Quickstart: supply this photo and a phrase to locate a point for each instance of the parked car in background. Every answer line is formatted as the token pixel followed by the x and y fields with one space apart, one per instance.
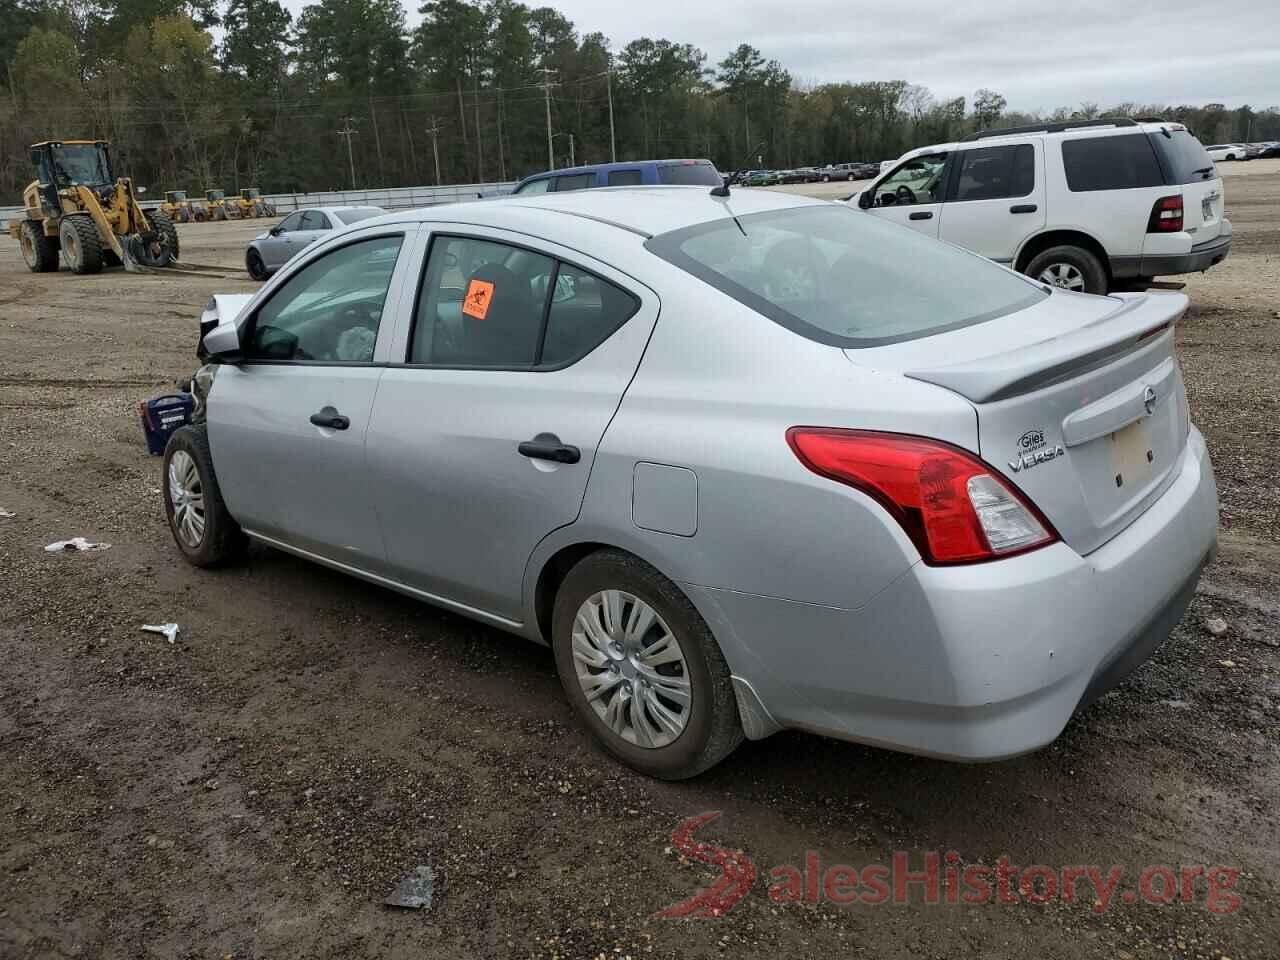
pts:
pixel 759 178
pixel 940 521
pixel 629 174
pixel 808 174
pixel 865 171
pixel 268 252
pixel 1270 151
pixel 839 171
pixel 789 176
pixel 1087 206
pixel 1227 151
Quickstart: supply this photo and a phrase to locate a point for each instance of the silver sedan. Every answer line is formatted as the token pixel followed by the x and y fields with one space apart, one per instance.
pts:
pixel 744 462
pixel 268 252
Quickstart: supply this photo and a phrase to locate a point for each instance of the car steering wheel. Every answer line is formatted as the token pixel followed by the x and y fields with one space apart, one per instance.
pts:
pixel 905 194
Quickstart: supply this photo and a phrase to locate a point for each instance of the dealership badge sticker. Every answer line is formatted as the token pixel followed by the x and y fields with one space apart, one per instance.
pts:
pixel 737 872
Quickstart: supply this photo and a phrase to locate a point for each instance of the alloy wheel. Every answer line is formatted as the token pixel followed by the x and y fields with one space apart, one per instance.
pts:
pixel 187 496
pixel 631 668
pixel 1063 275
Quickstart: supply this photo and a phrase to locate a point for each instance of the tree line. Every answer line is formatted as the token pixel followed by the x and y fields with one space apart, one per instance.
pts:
pixel 232 93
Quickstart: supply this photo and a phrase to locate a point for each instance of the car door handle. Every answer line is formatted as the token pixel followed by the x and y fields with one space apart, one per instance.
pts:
pixel 547 446
pixel 331 418
pixel 1023 208
pixel 921 215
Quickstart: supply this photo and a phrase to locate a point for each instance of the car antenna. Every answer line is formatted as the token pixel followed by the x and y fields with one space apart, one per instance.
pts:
pixel 722 193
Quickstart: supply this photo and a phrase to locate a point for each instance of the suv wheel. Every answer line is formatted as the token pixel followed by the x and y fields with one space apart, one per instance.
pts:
pixel 201 525
pixel 642 669
pixel 1069 268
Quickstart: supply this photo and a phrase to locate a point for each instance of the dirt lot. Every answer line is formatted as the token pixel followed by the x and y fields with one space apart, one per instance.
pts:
pixel 255 789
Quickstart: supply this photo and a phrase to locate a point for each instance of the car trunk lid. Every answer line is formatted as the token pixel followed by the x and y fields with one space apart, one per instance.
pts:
pixel 1079 402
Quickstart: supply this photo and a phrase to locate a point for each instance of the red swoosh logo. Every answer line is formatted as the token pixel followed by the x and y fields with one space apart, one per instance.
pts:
pixel 737 872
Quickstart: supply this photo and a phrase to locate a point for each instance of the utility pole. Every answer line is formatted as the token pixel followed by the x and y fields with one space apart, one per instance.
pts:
pixel 349 131
pixel 613 144
pixel 479 135
pixel 433 132
pixel 546 90
pixel 571 160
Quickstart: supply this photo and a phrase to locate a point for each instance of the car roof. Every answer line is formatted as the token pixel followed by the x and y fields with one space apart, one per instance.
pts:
pixel 647 211
pixel 619 165
pixel 1092 129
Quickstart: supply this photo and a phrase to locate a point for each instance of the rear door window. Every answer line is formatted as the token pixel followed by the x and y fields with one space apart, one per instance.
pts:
pixel 698 174
pixel 575 181
pixel 625 178
pixel 534 186
pixel 992 173
pixel 1117 162
pixel 585 311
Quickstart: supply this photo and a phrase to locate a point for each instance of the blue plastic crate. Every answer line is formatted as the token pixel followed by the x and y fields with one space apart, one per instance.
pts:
pixel 161 416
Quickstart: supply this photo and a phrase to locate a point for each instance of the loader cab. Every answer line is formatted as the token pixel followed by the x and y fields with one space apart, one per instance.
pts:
pixel 73 163
pixel 213 196
pixel 175 196
pixel 250 193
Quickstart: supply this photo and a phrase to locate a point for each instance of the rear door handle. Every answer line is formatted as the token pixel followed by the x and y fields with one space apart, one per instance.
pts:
pixel 547 446
pixel 1023 208
pixel 331 418
pixel 921 215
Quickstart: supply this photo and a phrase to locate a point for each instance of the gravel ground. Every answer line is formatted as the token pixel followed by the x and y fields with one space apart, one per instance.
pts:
pixel 255 789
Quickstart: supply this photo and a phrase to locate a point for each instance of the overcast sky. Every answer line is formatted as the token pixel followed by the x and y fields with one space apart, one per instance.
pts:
pixel 1040 54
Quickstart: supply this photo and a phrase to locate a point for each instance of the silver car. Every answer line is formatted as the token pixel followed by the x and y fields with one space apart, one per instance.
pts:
pixel 745 463
pixel 268 252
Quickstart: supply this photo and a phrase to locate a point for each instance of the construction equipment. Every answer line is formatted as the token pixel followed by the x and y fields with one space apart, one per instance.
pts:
pixel 251 204
pixel 78 207
pixel 176 206
pixel 221 207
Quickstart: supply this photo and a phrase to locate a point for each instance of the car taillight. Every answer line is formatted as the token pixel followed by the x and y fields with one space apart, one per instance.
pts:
pixel 1166 216
pixel 954 507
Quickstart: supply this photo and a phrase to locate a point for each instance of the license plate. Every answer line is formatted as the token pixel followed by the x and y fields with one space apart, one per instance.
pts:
pixel 1206 208
pixel 1132 454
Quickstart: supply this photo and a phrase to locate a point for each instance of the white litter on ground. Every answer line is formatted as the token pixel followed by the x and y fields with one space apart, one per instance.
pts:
pixel 170 630
pixel 75 543
pixel 6 514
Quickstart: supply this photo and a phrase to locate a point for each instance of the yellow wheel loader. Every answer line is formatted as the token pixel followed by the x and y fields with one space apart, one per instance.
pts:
pixel 76 206
pixel 252 204
pixel 176 206
pixel 222 207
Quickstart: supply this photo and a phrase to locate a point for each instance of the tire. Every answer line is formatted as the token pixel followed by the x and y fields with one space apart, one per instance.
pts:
pixel 199 216
pixel 826 178
pixel 850 178
pixel 254 265
pixel 109 259
pixel 167 232
pixel 708 724
pixel 181 216
pixel 202 527
pixel 81 245
pixel 40 252
pixel 218 214
pixel 1069 268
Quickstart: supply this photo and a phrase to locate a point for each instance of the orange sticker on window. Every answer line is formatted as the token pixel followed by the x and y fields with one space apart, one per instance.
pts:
pixel 479 296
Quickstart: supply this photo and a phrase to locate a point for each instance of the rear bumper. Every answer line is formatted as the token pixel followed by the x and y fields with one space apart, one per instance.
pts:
pixel 980 662
pixel 1201 257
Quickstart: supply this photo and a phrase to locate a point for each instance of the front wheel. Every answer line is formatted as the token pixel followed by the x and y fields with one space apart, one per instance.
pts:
pixel 254 264
pixel 202 527
pixel 1069 268
pixel 642 669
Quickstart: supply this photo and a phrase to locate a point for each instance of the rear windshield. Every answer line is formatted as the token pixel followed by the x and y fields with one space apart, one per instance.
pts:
pixel 1183 158
pixel 689 174
pixel 360 213
pixel 841 277
pixel 1110 163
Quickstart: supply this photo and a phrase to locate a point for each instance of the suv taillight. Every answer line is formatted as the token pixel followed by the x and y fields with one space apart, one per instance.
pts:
pixel 954 507
pixel 1166 215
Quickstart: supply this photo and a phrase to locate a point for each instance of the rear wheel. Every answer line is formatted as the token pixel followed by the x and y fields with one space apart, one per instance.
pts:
pixel 181 215
pixel 81 245
pixel 218 213
pixel 40 252
pixel 202 527
pixel 198 215
pixel 1069 268
pixel 642 669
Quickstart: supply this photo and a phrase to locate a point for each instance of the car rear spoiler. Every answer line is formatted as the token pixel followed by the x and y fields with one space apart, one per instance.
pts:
pixel 1036 366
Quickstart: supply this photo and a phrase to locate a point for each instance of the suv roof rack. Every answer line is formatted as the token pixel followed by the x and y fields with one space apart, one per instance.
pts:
pixel 1051 127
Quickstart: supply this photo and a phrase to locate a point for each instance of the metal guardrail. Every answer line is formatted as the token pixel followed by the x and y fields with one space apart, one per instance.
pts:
pixel 390 198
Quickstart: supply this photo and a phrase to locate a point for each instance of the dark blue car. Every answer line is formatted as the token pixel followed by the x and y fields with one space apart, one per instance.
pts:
pixel 634 173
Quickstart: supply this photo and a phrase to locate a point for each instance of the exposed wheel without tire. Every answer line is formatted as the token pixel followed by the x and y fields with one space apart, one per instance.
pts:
pixel 254 264
pixel 641 668
pixel 40 252
pixel 201 525
pixel 1068 268
pixel 81 245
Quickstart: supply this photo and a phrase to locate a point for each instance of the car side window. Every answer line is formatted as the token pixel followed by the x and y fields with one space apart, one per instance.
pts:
pixel 292 222
pixel 624 178
pixel 575 181
pixel 330 309
pixel 993 173
pixel 585 311
pixel 314 220
pixel 535 186
pixel 1110 163
pixel 919 180
pixel 481 304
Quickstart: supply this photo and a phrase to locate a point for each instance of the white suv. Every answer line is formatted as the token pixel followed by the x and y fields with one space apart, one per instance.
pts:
pixel 1086 206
